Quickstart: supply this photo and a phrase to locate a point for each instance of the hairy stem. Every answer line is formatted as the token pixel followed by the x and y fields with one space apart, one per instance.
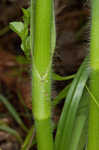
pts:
pixel 93 136
pixel 41 20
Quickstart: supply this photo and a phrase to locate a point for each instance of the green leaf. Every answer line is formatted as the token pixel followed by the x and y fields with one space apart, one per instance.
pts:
pixel 21 28
pixel 60 78
pixel 80 129
pixel 26 12
pixel 68 116
pixel 77 131
pixel 25 46
pixel 84 137
pixel 17 27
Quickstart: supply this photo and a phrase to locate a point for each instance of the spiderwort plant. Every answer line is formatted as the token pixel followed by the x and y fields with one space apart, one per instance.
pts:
pixel 41 41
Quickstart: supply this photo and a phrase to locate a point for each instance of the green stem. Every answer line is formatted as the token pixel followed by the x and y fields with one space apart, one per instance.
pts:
pixel 41 20
pixel 93 137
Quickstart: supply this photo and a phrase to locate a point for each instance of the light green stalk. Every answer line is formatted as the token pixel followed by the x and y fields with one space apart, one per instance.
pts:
pixel 41 20
pixel 93 137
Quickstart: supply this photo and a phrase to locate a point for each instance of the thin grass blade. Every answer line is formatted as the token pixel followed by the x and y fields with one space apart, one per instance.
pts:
pixel 60 78
pixel 66 123
pixel 13 112
pixel 80 134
